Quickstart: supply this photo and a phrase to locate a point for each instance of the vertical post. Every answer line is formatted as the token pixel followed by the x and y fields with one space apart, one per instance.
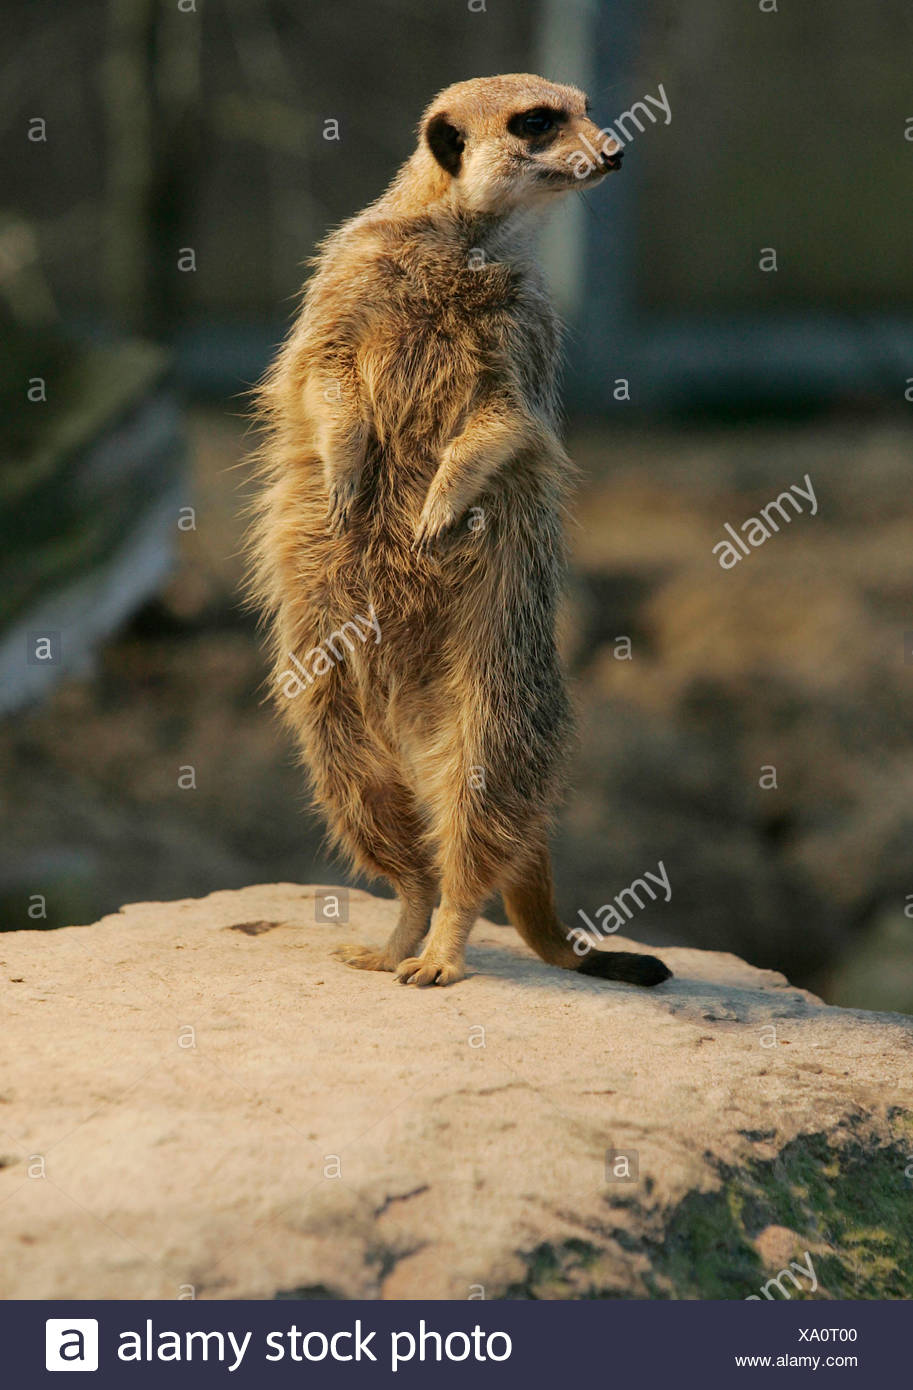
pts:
pixel 564 52
pixel 127 96
pixel 176 159
pixel 588 251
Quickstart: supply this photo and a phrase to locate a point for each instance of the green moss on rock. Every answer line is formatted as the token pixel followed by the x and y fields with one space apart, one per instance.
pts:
pixel 850 1207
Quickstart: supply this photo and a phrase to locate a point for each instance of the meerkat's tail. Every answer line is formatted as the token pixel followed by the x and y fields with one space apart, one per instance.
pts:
pixel 530 904
pixel 629 966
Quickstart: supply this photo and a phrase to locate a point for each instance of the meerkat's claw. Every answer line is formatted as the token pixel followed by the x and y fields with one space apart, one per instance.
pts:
pixel 424 971
pixel 436 519
pixel 363 957
pixel 426 540
pixel 338 509
pixel 423 539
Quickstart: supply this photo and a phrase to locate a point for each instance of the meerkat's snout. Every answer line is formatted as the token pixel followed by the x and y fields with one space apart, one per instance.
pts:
pixel 592 154
pixel 565 148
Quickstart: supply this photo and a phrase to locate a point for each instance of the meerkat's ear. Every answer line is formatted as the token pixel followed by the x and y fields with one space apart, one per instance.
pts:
pixel 445 143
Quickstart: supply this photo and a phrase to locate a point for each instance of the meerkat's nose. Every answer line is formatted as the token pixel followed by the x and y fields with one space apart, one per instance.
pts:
pixel 611 155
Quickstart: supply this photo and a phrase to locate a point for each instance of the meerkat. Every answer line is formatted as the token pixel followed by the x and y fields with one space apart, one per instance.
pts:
pixel 411 470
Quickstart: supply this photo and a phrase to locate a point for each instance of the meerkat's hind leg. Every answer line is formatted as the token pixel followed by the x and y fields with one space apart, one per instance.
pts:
pixel 416 905
pixel 373 814
pixel 384 836
pixel 443 961
pixel 469 860
pixel 475 848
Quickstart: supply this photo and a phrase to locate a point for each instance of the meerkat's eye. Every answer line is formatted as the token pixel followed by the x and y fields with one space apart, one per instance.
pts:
pixel 539 123
pixel 531 124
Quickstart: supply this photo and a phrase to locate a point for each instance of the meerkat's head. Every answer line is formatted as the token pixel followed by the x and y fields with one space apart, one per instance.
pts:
pixel 515 141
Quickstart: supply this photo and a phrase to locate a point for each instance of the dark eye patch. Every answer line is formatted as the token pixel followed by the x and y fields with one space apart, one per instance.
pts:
pixel 531 125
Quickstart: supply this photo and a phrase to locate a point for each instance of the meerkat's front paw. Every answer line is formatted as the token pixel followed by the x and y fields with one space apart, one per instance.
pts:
pixel 428 970
pixel 364 957
pixel 339 506
pixel 437 517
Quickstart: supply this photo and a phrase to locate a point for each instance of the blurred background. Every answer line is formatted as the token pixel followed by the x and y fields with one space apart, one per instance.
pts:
pixel 740 310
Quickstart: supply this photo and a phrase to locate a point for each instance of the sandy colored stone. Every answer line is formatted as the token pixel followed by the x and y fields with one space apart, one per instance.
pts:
pixel 777 1245
pixel 217 1102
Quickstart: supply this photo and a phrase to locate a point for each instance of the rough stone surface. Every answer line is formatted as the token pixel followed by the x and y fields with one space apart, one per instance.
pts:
pixel 330 1133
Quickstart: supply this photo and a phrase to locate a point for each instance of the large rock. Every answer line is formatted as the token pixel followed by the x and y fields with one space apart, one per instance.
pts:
pixel 197 1094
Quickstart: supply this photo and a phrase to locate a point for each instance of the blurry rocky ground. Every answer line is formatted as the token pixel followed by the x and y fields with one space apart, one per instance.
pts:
pixel 791 661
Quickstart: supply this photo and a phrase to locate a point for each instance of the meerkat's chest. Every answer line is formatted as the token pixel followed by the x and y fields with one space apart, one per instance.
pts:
pixel 427 352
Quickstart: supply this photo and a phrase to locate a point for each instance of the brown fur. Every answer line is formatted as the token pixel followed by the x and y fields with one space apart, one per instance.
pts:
pixel 411 462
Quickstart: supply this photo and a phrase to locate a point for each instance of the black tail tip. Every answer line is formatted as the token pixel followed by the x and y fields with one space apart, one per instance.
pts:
pixel 632 968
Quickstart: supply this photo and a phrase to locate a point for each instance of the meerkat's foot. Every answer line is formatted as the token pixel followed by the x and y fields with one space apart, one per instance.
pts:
pixel 429 970
pixel 364 957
